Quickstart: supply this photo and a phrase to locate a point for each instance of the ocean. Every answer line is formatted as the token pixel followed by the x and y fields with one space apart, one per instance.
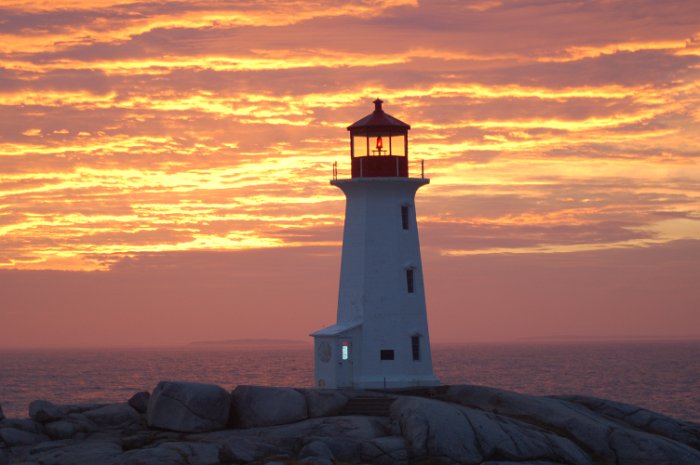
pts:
pixel 661 376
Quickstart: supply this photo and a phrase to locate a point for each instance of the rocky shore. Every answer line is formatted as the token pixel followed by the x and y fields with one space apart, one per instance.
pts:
pixel 203 424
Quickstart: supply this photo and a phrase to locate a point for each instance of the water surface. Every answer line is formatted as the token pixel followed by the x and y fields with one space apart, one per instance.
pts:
pixel 662 376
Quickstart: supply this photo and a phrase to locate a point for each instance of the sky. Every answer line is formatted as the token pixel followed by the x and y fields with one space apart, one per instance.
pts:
pixel 165 165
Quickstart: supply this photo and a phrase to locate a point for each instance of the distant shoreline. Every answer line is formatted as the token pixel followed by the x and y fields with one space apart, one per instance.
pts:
pixel 250 342
pixel 274 343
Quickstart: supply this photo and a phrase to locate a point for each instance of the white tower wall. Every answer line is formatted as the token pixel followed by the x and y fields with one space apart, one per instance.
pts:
pixel 377 252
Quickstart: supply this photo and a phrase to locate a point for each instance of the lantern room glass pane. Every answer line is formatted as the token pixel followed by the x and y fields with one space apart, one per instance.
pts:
pixel 398 146
pixel 379 145
pixel 359 146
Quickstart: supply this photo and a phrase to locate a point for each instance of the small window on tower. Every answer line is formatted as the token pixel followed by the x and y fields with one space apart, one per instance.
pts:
pixel 345 352
pixel 409 280
pixel 404 216
pixel 386 354
pixel 415 347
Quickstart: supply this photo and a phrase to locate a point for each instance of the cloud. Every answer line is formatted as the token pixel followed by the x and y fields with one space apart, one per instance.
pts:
pixel 133 128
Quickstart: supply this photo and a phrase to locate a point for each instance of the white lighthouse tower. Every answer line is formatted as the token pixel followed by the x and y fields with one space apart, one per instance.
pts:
pixel 381 337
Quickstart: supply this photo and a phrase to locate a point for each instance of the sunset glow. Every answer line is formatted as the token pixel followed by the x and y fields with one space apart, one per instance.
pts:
pixel 136 131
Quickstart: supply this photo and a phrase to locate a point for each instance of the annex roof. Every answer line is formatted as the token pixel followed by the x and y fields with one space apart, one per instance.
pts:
pixel 337 329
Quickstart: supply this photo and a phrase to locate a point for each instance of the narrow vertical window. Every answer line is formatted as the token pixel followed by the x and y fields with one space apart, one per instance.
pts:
pixel 404 216
pixel 409 280
pixel 415 347
pixel 345 353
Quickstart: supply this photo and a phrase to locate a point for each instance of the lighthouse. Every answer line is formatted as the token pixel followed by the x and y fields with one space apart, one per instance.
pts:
pixel 380 339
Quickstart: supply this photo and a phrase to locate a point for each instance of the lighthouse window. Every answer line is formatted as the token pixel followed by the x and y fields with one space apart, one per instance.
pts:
pixel 404 216
pixel 345 350
pixel 386 354
pixel 415 347
pixel 409 280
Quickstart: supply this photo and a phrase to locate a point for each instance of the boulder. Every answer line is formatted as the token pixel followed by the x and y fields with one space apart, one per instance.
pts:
pixel 138 440
pixel 324 402
pixel 247 449
pixel 47 446
pixel 343 448
pixel 353 428
pixel 188 407
pixel 534 462
pixel 682 431
pixel 607 440
pixel 195 453
pixel 388 450
pixel 60 429
pixel 152 456
pixel 25 424
pixel 113 415
pixel 458 434
pixel 433 428
pixel 90 452
pixel 81 423
pixel 254 406
pixel 43 411
pixel 316 449
pixel 139 401
pixel 314 460
pixel 13 437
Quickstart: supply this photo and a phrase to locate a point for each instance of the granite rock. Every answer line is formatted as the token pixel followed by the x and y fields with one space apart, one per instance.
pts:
pixel 81 423
pixel 24 424
pixel 316 448
pixel 533 462
pixel 152 456
pixel 194 452
pixel 324 402
pixel 14 437
pixel 343 448
pixel 315 460
pixel 188 407
pixel 461 435
pixel 139 401
pixel 349 428
pixel 640 418
pixel 605 439
pixel 387 450
pixel 247 449
pixel 43 411
pixel 60 429
pixel 255 406
pixel 113 415
pixel 469 425
pixel 89 452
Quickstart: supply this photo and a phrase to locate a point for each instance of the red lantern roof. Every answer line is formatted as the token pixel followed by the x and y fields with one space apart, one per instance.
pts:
pixel 379 121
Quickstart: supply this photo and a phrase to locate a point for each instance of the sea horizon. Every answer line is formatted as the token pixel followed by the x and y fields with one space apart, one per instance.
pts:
pixel 562 339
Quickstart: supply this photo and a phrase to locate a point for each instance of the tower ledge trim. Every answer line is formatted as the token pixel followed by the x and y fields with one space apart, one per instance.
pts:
pixel 398 180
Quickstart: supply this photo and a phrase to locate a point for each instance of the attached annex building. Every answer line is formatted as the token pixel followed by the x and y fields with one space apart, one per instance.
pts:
pixel 380 339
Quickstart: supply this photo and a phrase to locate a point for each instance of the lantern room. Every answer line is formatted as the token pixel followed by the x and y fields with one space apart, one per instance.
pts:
pixel 379 145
